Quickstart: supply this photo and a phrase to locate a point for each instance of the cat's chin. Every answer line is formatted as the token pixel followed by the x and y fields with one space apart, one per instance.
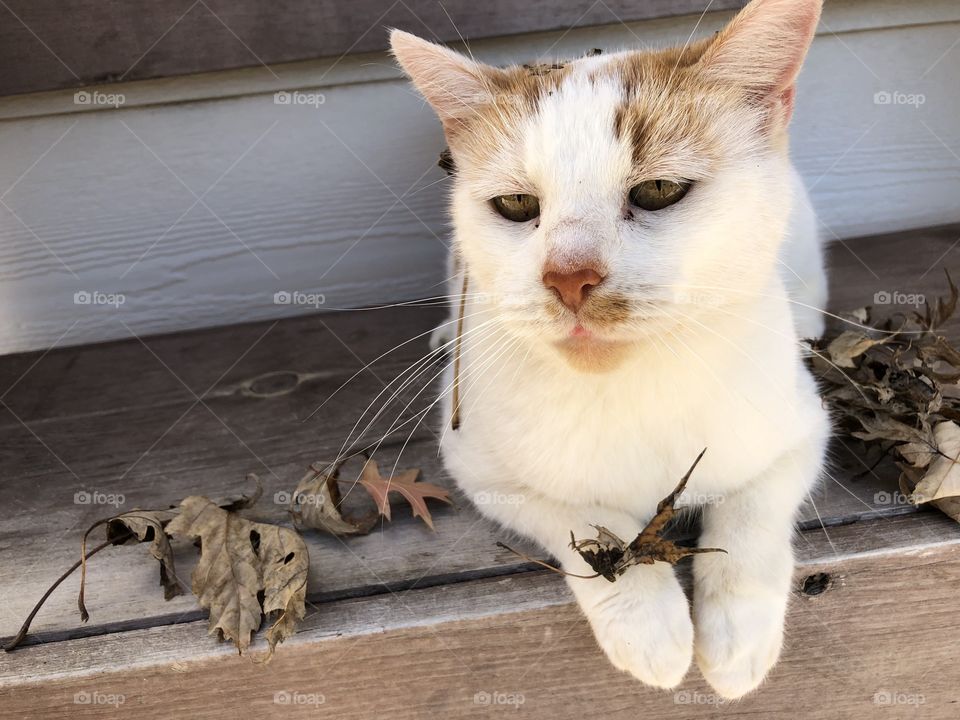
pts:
pixel 591 354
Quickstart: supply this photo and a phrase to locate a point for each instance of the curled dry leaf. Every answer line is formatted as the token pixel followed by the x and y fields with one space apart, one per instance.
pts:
pixel 610 556
pixel 317 501
pixel 239 559
pixel 149 526
pixel 316 504
pixel 848 346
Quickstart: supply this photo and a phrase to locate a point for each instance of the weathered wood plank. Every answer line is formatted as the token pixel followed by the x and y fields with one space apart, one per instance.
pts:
pixel 137 40
pixel 92 412
pixel 883 622
pixel 101 203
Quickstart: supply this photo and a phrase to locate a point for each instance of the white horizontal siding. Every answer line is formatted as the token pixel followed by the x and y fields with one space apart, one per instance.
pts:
pixel 305 198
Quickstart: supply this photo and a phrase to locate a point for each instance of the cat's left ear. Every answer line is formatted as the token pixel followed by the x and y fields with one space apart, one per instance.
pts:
pixel 762 49
pixel 454 85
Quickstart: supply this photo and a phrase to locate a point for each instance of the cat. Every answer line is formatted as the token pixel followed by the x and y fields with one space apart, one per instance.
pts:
pixel 641 261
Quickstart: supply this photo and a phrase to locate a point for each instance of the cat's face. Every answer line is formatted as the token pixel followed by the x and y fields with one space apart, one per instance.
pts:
pixel 615 196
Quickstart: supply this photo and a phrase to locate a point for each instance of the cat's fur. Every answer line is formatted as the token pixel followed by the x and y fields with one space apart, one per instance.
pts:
pixel 692 338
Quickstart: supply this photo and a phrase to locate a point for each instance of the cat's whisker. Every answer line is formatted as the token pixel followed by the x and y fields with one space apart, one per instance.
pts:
pixel 751 293
pixel 422 414
pixel 407 376
pixel 376 360
pixel 512 345
pixel 799 343
pixel 415 371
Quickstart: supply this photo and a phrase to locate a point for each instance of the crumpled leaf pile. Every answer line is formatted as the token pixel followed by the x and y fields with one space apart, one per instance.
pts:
pixel 893 381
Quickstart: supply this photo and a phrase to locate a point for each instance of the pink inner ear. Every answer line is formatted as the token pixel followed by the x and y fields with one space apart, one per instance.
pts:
pixel 450 82
pixel 764 46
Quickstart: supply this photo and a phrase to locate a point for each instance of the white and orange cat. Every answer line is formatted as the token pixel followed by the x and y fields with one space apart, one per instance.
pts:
pixel 641 259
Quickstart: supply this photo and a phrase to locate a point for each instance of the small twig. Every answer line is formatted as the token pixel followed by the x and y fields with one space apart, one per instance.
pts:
pixel 547 565
pixel 455 413
pixel 25 628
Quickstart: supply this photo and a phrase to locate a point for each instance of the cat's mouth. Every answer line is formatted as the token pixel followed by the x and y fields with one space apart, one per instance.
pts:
pixel 588 351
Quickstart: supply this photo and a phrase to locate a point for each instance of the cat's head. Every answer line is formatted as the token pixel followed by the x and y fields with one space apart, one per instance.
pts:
pixel 600 200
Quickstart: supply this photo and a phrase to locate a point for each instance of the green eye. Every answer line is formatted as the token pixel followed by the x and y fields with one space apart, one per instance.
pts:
pixel 517 208
pixel 658 194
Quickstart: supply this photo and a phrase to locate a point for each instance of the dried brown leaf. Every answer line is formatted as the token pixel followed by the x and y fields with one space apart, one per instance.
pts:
pixel 239 559
pixel 148 526
pixel 848 346
pixel 610 556
pixel 316 504
pixel 942 478
pixel 415 493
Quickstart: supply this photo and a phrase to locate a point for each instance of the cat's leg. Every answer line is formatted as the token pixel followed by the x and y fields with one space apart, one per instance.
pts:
pixel 740 598
pixel 641 621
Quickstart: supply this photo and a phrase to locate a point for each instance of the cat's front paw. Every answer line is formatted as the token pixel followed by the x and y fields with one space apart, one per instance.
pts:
pixel 645 629
pixel 738 640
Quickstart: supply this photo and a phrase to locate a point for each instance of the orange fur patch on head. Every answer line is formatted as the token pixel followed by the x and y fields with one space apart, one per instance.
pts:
pixel 672 117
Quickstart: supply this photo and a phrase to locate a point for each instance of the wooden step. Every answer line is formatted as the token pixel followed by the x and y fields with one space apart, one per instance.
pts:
pixel 405 621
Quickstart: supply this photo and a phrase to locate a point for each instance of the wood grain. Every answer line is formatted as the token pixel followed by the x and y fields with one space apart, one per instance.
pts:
pixel 307 198
pixel 122 419
pixel 93 41
pixel 883 627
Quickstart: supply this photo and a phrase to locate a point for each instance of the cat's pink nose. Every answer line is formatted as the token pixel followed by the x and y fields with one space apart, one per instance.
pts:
pixel 572 286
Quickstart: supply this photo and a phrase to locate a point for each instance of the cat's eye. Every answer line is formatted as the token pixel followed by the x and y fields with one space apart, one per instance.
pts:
pixel 517 207
pixel 658 194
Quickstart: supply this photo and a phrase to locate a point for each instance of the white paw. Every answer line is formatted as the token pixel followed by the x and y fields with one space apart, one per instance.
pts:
pixel 644 630
pixel 443 335
pixel 738 640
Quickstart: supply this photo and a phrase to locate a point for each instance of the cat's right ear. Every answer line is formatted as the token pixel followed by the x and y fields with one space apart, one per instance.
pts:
pixel 454 85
